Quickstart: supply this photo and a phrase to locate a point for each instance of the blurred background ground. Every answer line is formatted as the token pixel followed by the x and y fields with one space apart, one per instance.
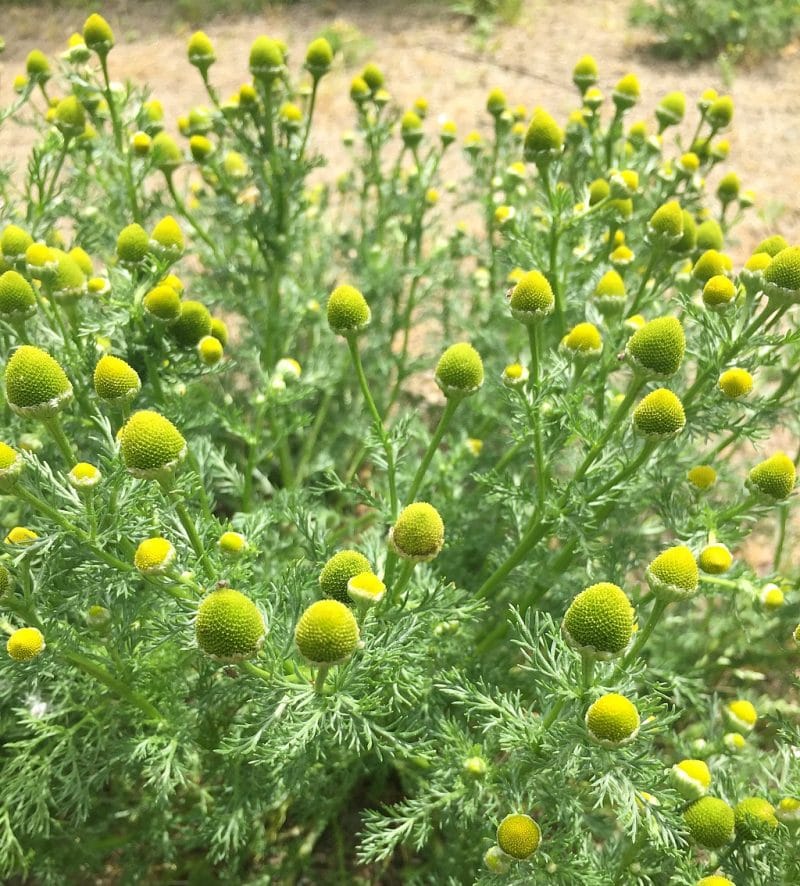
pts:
pixel 426 49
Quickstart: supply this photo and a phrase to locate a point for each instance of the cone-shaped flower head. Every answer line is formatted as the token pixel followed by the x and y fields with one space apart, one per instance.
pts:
pixel 609 294
pixel 411 129
pixel 37 67
pixel 219 330
pixel 359 90
pixel 418 533
pixel 11 465
pixel 348 311
pixel 36 386
pixel 710 264
pixel 771 597
pixel 210 350
pixel 25 644
pixel 115 380
pixel 97 34
pixel 671 109
pixel 68 281
pixel 583 342
pixel 151 445
pixel 232 544
pixel 544 140
pixel 163 303
pixel 673 574
pixel 710 822
pixel 728 188
pixel 17 298
pixel 755 819
pixel 599 189
pixel 665 227
pixel 266 58
pixel 612 720
pixel 201 51
pixel 338 571
pixel 327 633
pixel 627 92
pixel 84 476
pixel 518 835
pixel 373 77
pixel 14 241
pixel 710 235
pixel 774 478
pixel 702 476
pixel 366 589
pixel 719 292
pixel 715 559
pixel 599 621
pixel 229 626
pixel 167 239
pixel 69 117
pixel 133 244
pixel 770 245
pixel 319 57
pixel 496 102
pixel 659 415
pixel 788 811
pixel 459 371
pixel 782 276
pixel 735 383
pixel 165 153
pixel 741 715
pixel 193 323
pixel 585 73
pixel 691 779
pixel 532 298
pixel 720 112
pixel 656 350
pixel 154 556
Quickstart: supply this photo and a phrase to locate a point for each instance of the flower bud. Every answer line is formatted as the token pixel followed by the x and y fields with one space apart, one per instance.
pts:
pixel 741 715
pixel 612 721
pixel 229 626
pixel 515 375
pixel 774 478
pixel 496 102
pixel 518 835
pixel 544 140
pixel 754 819
pixel 337 572
pixel 710 822
pixel 366 589
pixel 771 597
pixel 17 298
pixel 735 383
pixel 599 621
pixel 459 371
pixel 163 303
pixel 219 330
pixel 70 118
pixel 657 349
pixel 665 227
pixel 788 812
pixel 115 380
pixel 626 93
pixel 734 742
pixel 702 477
pixel 319 57
pixel 210 350
pixel 167 240
pixel 609 294
pixel 710 264
pixel 782 275
pixel 327 633
pixel 166 154
pixel 348 311
pixel 532 298
pixel 373 77
pixel 496 861
pixel 193 324
pixel 411 129
pixel 84 476
pixel 728 188
pixel 154 556
pixel 720 112
pixel 719 292
pixel 418 533
pixel 583 342
pixel 11 465
pixel 201 51
pixel 691 779
pixel 36 385
pixel 133 245
pixel 151 446
pixel 25 644
pixel 715 559
pixel 97 35
pixel 659 415
pixel 585 73
pixel 673 574
pixel 14 241
pixel 266 59
pixel 37 67
pixel 671 109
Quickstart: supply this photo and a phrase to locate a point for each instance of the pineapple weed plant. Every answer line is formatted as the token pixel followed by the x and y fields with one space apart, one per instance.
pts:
pixel 261 596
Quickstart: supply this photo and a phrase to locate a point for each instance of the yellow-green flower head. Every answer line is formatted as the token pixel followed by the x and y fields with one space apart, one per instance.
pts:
pixel 193 323
pixel 710 822
pixel 201 148
pixel 715 559
pixel 133 244
pixel 154 556
pixel 20 83
pixel 612 720
pixel 338 571
pixel 627 92
pixel 734 742
pixel 728 188
pixel 411 129
pixel 496 102
pixel 14 241
pixel 459 371
pixel 266 59
pixel 5 581
pixel 544 140
pixel 17 298
pixel 689 163
pixel 319 57
pixel 599 189
pixel 702 477
pixel 163 303
pixel 741 715
pixel 583 341
pixel 599 621
pixel 718 292
pixel 68 281
pixel 115 380
pixel 201 51
pixel 774 478
pixel 637 133
pixel 151 445
pixel 82 259
pixel 229 626
pixel 666 224
pixel 720 112
pixel 709 235
pixel 327 633
pixel 348 311
pixel 167 240
pixel 715 880
pixel 635 322
pixel 21 536
pixel 755 819
pixel 36 385
pixel 671 109
pixel 210 350
pixel 659 415
pixel 219 330
pixel 515 375
pixel 609 294
pixel 673 574
pixel 97 34
pixel 592 99
pixel 373 77
pixel 359 90
pixel 532 298
pixel 585 73
pixel 782 276
pixel 622 256
pixel 788 811
pixel 10 467
pixel 165 153
pixel 624 184
pixel 735 383
pixel 232 544
pixel 84 476
pixel 418 533
pixel 656 350
pixel 771 597
pixel 448 132
pixel 141 143
pixel 518 835
pixel 37 66
pixel 25 644
pixel 41 261
pixel 366 589
pixel 688 239
pixel 496 861
pixel 771 245
pixel 70 118
pixel 691 779
pixel 290 116
pixel 711 264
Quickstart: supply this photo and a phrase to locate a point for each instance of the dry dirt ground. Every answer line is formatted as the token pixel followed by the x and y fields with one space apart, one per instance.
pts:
pixel 426 50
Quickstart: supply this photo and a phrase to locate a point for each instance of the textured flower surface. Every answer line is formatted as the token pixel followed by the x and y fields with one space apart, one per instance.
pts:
pixel 229 626
pixel 518 835
pixel 327 633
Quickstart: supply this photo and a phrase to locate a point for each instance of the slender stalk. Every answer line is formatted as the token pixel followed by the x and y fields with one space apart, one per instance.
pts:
pixel 538 444
pixel 99 673
pixel 319 680
pixel 167 485
pixel 402 580
pixel 436 439
pixel 119 140
pixel 56 431
pixel 588 663
pixel 312 102
pixel 195 225
pixel 642 636
pixel 256 671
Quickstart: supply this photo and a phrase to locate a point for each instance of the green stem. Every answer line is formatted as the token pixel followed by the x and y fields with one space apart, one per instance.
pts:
pixel 118 139
pixel 402 580
pixel 319 680
pixel 256 671
pixel 182 208
pixel 167 485
pixel 643 635
pixel 312 102
pixel 100 674
pixel 436 439
pixel 56 431
pixel 588 663
pixel 538 445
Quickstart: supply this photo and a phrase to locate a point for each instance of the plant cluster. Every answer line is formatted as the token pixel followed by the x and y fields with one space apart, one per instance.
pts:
pixel 374 521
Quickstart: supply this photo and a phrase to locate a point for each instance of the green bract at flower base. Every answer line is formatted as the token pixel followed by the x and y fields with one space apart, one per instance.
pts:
pixel 459 371
pixel 532 298
pixel 348 312
pixel 673 574
pixel 418 533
